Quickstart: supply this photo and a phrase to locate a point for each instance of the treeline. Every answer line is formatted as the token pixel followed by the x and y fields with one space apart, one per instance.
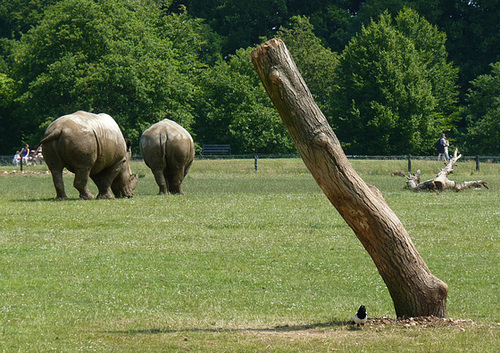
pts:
pixel 389 75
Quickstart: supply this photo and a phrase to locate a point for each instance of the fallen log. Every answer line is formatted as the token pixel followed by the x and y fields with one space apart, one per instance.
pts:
pixel 441 181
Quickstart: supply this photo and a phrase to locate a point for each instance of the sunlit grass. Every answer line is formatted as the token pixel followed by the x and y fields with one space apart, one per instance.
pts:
pixel 240 255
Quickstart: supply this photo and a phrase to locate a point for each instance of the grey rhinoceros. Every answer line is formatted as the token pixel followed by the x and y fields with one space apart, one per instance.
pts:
pixel 168 150
pixel 89 145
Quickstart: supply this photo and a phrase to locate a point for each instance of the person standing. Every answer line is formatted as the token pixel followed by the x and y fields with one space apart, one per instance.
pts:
pixel 442 147
pixel 25 154
pixel 17 159
pixel 446 145
pixel 38 155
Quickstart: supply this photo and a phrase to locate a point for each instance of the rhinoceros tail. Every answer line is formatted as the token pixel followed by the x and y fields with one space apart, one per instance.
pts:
pixel 53 135
pixel 163 146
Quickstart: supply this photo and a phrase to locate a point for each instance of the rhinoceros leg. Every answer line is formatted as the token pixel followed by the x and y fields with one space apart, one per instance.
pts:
pixel 175 181
pixel 105 178
pixel 161 181
pixel 57 178
pixel 105 194
pixel 176 176
pixel 103 182
pixel 56 166
pixel 80 183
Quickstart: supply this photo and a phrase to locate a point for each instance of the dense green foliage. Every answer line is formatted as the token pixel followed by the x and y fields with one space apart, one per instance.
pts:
pixel 389 75
pixel 483 113
pixel 393 89
pixel 316 62
pixel 106 58
pixel 243 262
pixel 233 108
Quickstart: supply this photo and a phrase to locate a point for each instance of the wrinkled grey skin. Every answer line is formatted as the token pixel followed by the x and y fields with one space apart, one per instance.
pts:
pixel 168 150
pixel 89 145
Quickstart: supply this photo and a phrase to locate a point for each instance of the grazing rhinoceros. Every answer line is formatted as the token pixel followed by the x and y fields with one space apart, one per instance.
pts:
pixel 168 150
pixel 89 145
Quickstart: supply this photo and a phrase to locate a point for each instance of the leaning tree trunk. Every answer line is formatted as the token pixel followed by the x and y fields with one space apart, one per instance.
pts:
pixel 415 291
pixel 441 181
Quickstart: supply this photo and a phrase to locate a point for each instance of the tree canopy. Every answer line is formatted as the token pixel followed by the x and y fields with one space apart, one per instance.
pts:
pixel 393 91
pixel 107 57
pixel 389 75
pixel 233 108
pixel 482 114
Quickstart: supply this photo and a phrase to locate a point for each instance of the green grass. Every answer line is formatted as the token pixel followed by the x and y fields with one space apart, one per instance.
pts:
pixel 242 262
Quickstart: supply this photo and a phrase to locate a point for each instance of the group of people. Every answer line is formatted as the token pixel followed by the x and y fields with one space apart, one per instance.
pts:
pixel 442 146
pixel 27 156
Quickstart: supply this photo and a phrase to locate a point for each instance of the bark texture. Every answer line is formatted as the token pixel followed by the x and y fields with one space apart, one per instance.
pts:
pixel 415 291
pixel 441 181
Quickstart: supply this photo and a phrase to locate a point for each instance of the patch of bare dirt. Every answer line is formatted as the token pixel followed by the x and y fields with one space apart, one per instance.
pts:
pixel 342 331
pixel 27 172
pixel 422 321
pixel 24 172
pixel 373 324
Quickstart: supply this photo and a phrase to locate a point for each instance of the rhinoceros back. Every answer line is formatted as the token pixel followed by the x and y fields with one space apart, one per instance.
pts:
pixel 163 136
pixel 104 126
pixel 96 138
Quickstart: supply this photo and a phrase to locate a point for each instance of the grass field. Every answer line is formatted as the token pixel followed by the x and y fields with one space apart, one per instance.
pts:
pixel 243 262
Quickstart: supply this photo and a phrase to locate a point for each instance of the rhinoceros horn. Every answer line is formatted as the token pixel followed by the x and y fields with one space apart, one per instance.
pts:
pixel 133 182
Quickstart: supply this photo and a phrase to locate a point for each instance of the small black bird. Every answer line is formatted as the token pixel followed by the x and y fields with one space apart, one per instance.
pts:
pixel 361 317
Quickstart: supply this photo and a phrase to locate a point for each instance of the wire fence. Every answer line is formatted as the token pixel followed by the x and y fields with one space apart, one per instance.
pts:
pixel 409 158
pixel 8 160
pixel 482 159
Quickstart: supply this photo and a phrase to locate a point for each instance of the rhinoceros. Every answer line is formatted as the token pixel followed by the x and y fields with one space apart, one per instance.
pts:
pixel 168 150
pixel 89 145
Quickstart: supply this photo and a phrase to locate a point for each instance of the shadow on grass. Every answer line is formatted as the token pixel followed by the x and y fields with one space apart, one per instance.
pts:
pixel 49 199
pixel 284 328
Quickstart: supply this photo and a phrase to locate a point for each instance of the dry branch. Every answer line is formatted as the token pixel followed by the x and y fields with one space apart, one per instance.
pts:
pixel 441 181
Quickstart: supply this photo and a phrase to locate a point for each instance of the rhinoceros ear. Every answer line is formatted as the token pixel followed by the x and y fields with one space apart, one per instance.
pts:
pixel 128 143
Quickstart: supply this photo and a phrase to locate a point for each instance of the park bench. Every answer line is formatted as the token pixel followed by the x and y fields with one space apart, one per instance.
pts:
pixel 212 150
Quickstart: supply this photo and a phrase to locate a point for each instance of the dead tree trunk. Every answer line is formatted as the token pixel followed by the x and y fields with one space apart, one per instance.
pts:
pixel 441 181
pixel 415 291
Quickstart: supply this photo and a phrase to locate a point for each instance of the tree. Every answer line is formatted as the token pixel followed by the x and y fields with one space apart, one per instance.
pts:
pixel 316 63
pixel 9 138
pixel 331 19
pixel 482 114
pixel 124 59
pixel 191 35
pixel 18 16
pixel 240 23
pixel 371 10
pixel 233 108
pixel 52 49
pixel 430 44
pixel 473 32
pixel 415 291
pixel 386 100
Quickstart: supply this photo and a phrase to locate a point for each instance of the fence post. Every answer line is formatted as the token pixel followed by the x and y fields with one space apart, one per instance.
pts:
pixel 255 163
pixel 409 163
pixel 477 163
pixel 21 164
